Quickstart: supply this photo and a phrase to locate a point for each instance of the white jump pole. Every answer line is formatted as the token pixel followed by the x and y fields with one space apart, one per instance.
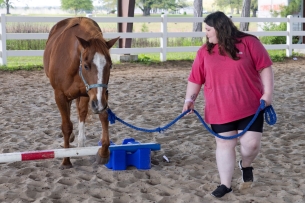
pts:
pixel 71 152
pixel 48 154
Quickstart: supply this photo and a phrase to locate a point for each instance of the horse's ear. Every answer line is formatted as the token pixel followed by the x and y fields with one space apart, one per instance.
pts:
pixel 111 42
pixel 83 42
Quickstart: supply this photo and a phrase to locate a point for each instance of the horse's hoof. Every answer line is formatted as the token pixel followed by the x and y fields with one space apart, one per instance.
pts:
pixel 101 160
pixel 60 134
pixel 72 137
pixel 62 167
pixel 70 145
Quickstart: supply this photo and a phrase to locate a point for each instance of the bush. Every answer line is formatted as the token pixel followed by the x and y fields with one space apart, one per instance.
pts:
pixel 144 28
pixel 276 39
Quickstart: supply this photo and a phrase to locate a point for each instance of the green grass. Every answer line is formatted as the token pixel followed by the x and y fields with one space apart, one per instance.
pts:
pixel 36 63
pixel 280 55
pixel 155 57
pixel 23 63
pixel 275 55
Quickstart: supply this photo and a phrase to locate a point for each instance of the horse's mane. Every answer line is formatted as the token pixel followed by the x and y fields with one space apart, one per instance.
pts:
pixel 96 37
pixel 91 32
pixel 63 25
pixel 66 23
pixel 101 45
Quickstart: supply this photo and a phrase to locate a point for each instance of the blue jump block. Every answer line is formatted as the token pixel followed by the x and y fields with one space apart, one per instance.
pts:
pixel 130 153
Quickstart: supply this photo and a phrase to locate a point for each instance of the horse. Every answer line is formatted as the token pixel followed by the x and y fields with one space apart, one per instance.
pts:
pixel 77 62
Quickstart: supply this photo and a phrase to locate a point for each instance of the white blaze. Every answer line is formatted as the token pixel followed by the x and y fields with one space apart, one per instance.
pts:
pixel 100 62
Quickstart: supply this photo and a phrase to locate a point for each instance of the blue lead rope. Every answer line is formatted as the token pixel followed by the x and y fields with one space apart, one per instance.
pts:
pixel 269 112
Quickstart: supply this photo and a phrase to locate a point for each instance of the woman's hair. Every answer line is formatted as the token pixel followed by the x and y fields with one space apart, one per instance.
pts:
pixel 227 34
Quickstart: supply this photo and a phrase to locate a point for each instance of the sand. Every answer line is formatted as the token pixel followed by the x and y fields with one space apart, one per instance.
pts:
pixel 147 96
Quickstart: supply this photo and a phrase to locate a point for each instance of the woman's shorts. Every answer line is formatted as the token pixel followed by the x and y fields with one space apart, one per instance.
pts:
pixel 241 124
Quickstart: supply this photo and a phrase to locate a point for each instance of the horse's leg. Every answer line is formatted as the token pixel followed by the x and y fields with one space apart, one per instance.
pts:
pixel 82 109
pixel 103 152
pixel 64 107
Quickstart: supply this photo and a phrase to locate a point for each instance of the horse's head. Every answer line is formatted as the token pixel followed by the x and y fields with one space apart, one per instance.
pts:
pixel 94 70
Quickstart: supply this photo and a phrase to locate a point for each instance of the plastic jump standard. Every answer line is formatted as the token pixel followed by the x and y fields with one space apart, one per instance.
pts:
pixel 131 153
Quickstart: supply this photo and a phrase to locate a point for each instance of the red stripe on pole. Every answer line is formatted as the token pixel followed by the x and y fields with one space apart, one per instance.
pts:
pixel 37 155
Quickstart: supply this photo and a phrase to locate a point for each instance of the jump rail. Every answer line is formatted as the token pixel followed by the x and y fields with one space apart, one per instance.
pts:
pixel 71 152
pixel 163 35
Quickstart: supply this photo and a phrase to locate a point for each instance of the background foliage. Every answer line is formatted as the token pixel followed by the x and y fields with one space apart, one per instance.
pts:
pixel 77 5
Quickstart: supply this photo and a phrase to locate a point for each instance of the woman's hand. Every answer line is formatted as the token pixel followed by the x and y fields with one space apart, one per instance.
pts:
pixel 267 98
pixel 192 91
pixel 188 104
pixel 267 80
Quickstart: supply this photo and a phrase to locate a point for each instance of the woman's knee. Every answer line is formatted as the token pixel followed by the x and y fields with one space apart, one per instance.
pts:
pixel 252 147
pixel 227 142
pixel 251 141
pixel 222 143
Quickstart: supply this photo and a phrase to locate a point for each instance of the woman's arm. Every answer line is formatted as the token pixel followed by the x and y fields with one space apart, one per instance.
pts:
pixel 267 80
pixel 192 92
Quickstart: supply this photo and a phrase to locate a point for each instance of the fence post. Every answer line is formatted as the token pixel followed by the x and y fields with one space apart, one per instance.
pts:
pixel 163 40
pixel 3 58
pixel 289 36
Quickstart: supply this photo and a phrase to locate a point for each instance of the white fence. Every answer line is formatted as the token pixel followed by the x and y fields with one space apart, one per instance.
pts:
pixel 163 34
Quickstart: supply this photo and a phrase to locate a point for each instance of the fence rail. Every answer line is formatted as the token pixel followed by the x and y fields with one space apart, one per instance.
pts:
pixel 163 35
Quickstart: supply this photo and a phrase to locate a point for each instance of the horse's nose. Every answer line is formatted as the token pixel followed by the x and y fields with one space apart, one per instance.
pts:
pixel 94 106
pixel 97 107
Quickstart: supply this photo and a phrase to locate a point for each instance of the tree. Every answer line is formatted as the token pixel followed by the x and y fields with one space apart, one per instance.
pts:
pixel 77 5
pixel 237 4
pixel 293 7
pixel 7 4
pixel 233 4
pixel 145 6
pixel 254 7
pixel 244 26
pixel 109 5
pixel 197 26
pixel 222 3
pixel 169 4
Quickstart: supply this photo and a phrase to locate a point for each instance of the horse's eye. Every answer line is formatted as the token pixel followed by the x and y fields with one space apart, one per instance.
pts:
pixel 86 67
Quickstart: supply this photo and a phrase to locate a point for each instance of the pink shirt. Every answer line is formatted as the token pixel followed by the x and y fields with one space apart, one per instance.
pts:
pixel 232 89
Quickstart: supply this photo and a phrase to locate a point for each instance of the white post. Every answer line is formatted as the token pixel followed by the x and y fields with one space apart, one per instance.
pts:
pixel 163 40
pixel 289 36
pixel 3 57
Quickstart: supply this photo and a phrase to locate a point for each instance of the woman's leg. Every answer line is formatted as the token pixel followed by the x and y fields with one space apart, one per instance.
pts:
pixel 250 144
pixel 226 158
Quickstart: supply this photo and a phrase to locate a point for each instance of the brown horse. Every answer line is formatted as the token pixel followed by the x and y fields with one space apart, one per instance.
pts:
pixel 77 61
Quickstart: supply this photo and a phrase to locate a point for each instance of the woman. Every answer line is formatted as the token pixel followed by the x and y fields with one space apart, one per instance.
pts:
pixel 236 72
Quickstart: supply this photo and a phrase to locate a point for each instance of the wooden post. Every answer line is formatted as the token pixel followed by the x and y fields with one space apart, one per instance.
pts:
pixel 125 9
pixel 303 16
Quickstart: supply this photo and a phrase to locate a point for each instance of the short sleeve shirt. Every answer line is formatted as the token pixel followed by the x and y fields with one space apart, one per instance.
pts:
pixel 232 88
